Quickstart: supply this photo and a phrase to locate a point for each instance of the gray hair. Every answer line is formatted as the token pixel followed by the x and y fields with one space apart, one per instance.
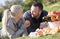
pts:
pixel 15 8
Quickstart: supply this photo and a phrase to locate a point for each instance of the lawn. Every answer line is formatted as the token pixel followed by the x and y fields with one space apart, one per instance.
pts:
pixel 0 23
pixel 55 8
pixel 56 36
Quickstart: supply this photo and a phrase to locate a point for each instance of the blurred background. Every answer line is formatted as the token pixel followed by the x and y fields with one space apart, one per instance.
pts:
pixel 26 4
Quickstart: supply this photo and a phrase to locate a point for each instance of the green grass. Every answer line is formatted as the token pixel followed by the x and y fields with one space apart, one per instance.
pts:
pixel 56 36
pixel 56 8
pixel 0 23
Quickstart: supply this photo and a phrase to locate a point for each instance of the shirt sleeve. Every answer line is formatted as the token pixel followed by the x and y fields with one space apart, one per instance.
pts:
pixel 45 13
pixel 26 15
pixel 21 31
pixel 10 28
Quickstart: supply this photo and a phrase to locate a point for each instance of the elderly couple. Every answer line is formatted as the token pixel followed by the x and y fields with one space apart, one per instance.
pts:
pixel 16 24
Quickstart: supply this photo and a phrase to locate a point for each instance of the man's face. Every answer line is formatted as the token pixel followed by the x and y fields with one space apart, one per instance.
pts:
pixel 35 11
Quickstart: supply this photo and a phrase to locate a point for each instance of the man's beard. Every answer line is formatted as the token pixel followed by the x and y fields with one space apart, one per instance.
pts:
pixel 34 16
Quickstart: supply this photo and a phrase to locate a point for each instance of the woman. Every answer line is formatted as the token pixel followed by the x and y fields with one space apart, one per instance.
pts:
pixel 13 22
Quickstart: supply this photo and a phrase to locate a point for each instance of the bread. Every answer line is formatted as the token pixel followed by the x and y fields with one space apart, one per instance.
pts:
pixel 54 31
pixel 40 32
pixel 47 30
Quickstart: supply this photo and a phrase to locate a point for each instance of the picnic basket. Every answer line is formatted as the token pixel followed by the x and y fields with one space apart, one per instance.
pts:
pixel 55 7
pixel 56 23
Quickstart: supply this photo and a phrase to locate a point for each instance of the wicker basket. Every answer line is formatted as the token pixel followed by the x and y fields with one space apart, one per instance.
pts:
pixel 56 5
pixel 55 23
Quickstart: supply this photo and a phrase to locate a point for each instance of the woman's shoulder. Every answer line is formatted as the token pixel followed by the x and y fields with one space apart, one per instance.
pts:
pixel 22 21
pixel 10 21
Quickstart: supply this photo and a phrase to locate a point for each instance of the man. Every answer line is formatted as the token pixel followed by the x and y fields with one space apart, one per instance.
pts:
pixel 35 16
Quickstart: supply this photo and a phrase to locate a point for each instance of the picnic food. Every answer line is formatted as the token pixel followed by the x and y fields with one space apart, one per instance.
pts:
pixel 47 30
pixel 39 32
pixel 33 34
pixel 53 16
pixel 53 25
pixel 44 31
pixel 54 31
pixel 53 20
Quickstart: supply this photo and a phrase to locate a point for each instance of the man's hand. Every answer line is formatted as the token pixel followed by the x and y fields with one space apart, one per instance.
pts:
pixel 27 23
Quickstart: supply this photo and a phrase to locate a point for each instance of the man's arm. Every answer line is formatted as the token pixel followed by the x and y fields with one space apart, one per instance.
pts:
pixel 45 13
pixel 26 15
pixel 27 18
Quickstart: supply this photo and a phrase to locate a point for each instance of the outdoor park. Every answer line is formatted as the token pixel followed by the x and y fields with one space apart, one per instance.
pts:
pixel 49 5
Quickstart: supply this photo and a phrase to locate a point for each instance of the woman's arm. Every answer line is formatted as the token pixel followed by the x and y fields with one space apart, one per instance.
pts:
pixel 21 31
pixel 10 28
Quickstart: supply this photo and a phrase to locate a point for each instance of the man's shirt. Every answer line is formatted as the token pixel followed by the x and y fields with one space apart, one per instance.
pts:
pixel 35 23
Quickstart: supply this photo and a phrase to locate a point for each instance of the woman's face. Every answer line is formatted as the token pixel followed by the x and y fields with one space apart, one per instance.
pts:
pixel 19 14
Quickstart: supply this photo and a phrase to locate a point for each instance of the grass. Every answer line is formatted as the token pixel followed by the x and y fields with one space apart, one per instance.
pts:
pixel 0 23
pixel 56 8
pixel 56 36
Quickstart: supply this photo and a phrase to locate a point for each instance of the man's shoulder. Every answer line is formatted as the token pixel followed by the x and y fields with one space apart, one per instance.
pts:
pixel 44 12
pixel 27 13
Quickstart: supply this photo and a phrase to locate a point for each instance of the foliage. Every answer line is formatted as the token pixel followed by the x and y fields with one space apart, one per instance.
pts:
pixel 1 11
pixel 0 23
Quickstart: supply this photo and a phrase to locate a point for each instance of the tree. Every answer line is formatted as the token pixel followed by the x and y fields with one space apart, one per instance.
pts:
pixel 1 11
pixel 9 3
